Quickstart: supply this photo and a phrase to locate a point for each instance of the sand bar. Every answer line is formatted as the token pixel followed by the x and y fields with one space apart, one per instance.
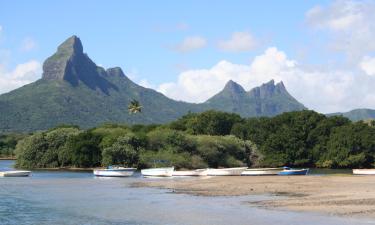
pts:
pixel 336 195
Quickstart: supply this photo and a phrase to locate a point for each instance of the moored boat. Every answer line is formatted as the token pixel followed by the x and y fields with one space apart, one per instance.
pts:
pixel 158 172
pixel 15 173
pixel 114 171
pixel 261 171
pixel 198 172
pixel 364 171
pixel 235 171
pixel 289 171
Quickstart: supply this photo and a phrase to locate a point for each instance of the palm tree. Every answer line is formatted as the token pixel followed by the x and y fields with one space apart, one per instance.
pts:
pixel 134 107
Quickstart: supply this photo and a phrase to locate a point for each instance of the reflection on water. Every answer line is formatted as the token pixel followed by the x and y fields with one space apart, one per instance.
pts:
pixel 79 198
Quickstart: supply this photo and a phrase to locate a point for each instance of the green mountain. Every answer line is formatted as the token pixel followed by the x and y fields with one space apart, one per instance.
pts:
pixel 357 114
pixel 267 100
pixel 74 90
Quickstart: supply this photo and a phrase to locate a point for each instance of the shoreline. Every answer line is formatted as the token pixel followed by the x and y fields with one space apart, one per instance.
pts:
pixel 7 158
pixel 63 169
pixel 351 196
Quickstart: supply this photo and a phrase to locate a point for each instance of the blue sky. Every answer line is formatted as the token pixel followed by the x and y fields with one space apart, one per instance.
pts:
pixel 146 39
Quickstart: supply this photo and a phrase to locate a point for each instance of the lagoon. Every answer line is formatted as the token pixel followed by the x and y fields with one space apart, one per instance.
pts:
pixel 60 197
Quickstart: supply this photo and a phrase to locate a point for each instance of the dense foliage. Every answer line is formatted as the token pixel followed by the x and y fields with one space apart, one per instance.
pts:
pixel 208 139
pixel 8 143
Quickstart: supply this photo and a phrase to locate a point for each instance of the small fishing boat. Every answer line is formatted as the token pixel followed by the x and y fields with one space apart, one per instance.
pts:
pixel 114 171
pixel 235 171
pixel 261 171
pixel 198 172
pixel 364 171
pixel 15 173
pixel 289 171
pixel 158 172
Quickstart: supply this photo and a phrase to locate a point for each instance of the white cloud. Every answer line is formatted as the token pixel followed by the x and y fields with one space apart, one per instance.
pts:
pixel 239 42
pixel 350 25
pixel 28 44
pixel 22 74
pixel 368 65
pixel 145 83
pixel 190 44
pixel 318 89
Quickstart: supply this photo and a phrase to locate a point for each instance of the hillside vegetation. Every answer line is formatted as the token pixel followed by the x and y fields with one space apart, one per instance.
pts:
pixel 208 139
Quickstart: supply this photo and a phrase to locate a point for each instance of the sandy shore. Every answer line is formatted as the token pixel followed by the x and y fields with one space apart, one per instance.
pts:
pixel 7 158
pixel 336 195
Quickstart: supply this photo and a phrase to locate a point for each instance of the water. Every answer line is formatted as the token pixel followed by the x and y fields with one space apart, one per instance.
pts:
pixel 79 198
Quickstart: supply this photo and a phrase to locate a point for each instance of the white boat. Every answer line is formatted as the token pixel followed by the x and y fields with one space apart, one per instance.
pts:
pixel 158 172
pixel 261 171
pixel 198 172
pixel 15 173
pixel 364 171
pixel 235 171
pixel 114 171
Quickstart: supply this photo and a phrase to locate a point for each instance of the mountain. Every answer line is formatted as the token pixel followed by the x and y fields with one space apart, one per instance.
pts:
pixel 74 90
pixel 357 114
pixel 267 100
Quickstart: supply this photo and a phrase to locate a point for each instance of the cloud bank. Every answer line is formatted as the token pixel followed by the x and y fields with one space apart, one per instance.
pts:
pixel 322 90
pixel 22 74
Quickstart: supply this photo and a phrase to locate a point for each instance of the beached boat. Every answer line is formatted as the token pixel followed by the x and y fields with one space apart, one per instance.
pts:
pixel 158 172
pixel 115 171
pixel 198 172
pixel 235 171
pixel 289 171
pixel 261 171
pixel 364 171
pixel 15 173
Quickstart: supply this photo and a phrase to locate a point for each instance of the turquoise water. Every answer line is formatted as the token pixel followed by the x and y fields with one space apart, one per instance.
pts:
pixel 79 198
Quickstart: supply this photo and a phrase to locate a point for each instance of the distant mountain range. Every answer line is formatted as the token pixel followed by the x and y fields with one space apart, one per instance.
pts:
pixel 74 90
pixel 357 114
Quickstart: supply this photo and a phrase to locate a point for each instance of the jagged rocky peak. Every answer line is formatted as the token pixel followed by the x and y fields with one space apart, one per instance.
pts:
pixel 115 72
pixel 233 88
pixel 56 67
pixel 268 89
pixel 72 45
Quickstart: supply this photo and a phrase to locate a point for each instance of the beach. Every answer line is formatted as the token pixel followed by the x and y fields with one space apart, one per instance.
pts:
pixel 344 195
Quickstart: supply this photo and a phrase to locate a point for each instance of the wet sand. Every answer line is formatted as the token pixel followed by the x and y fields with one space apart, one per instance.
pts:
pixel 336 195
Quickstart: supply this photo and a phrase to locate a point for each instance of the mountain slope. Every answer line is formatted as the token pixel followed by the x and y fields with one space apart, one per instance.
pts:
pixel 357 114
pixel 74 90
pixel 267 100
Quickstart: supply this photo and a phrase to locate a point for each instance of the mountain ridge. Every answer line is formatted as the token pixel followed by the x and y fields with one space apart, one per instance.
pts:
pixel 74 90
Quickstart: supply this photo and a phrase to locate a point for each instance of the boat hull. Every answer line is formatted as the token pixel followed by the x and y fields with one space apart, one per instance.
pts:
pixel 226 172
pixel 292 172
pixel 125 172
pixel 364 171
pixel 15 173
pixel 158 172
pixel 262 172
pixel 199 172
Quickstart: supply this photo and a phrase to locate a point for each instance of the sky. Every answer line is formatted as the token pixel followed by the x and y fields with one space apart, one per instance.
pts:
pixel 323 51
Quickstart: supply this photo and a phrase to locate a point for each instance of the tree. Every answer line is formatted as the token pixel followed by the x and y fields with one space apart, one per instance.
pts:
pixel 83 149
pixel 125 151
pixel 134 107
pixel 350 146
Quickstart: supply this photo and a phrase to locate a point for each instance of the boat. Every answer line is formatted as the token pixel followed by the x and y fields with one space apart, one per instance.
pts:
pixel 114 171
pixel 364 171
pixel 235 171
pixel 15 173
pixel 198 172
pixel 261 171
pixel 290 171
pixel 158 172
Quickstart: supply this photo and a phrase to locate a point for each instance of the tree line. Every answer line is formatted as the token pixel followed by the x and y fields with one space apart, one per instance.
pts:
pixel 208 139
